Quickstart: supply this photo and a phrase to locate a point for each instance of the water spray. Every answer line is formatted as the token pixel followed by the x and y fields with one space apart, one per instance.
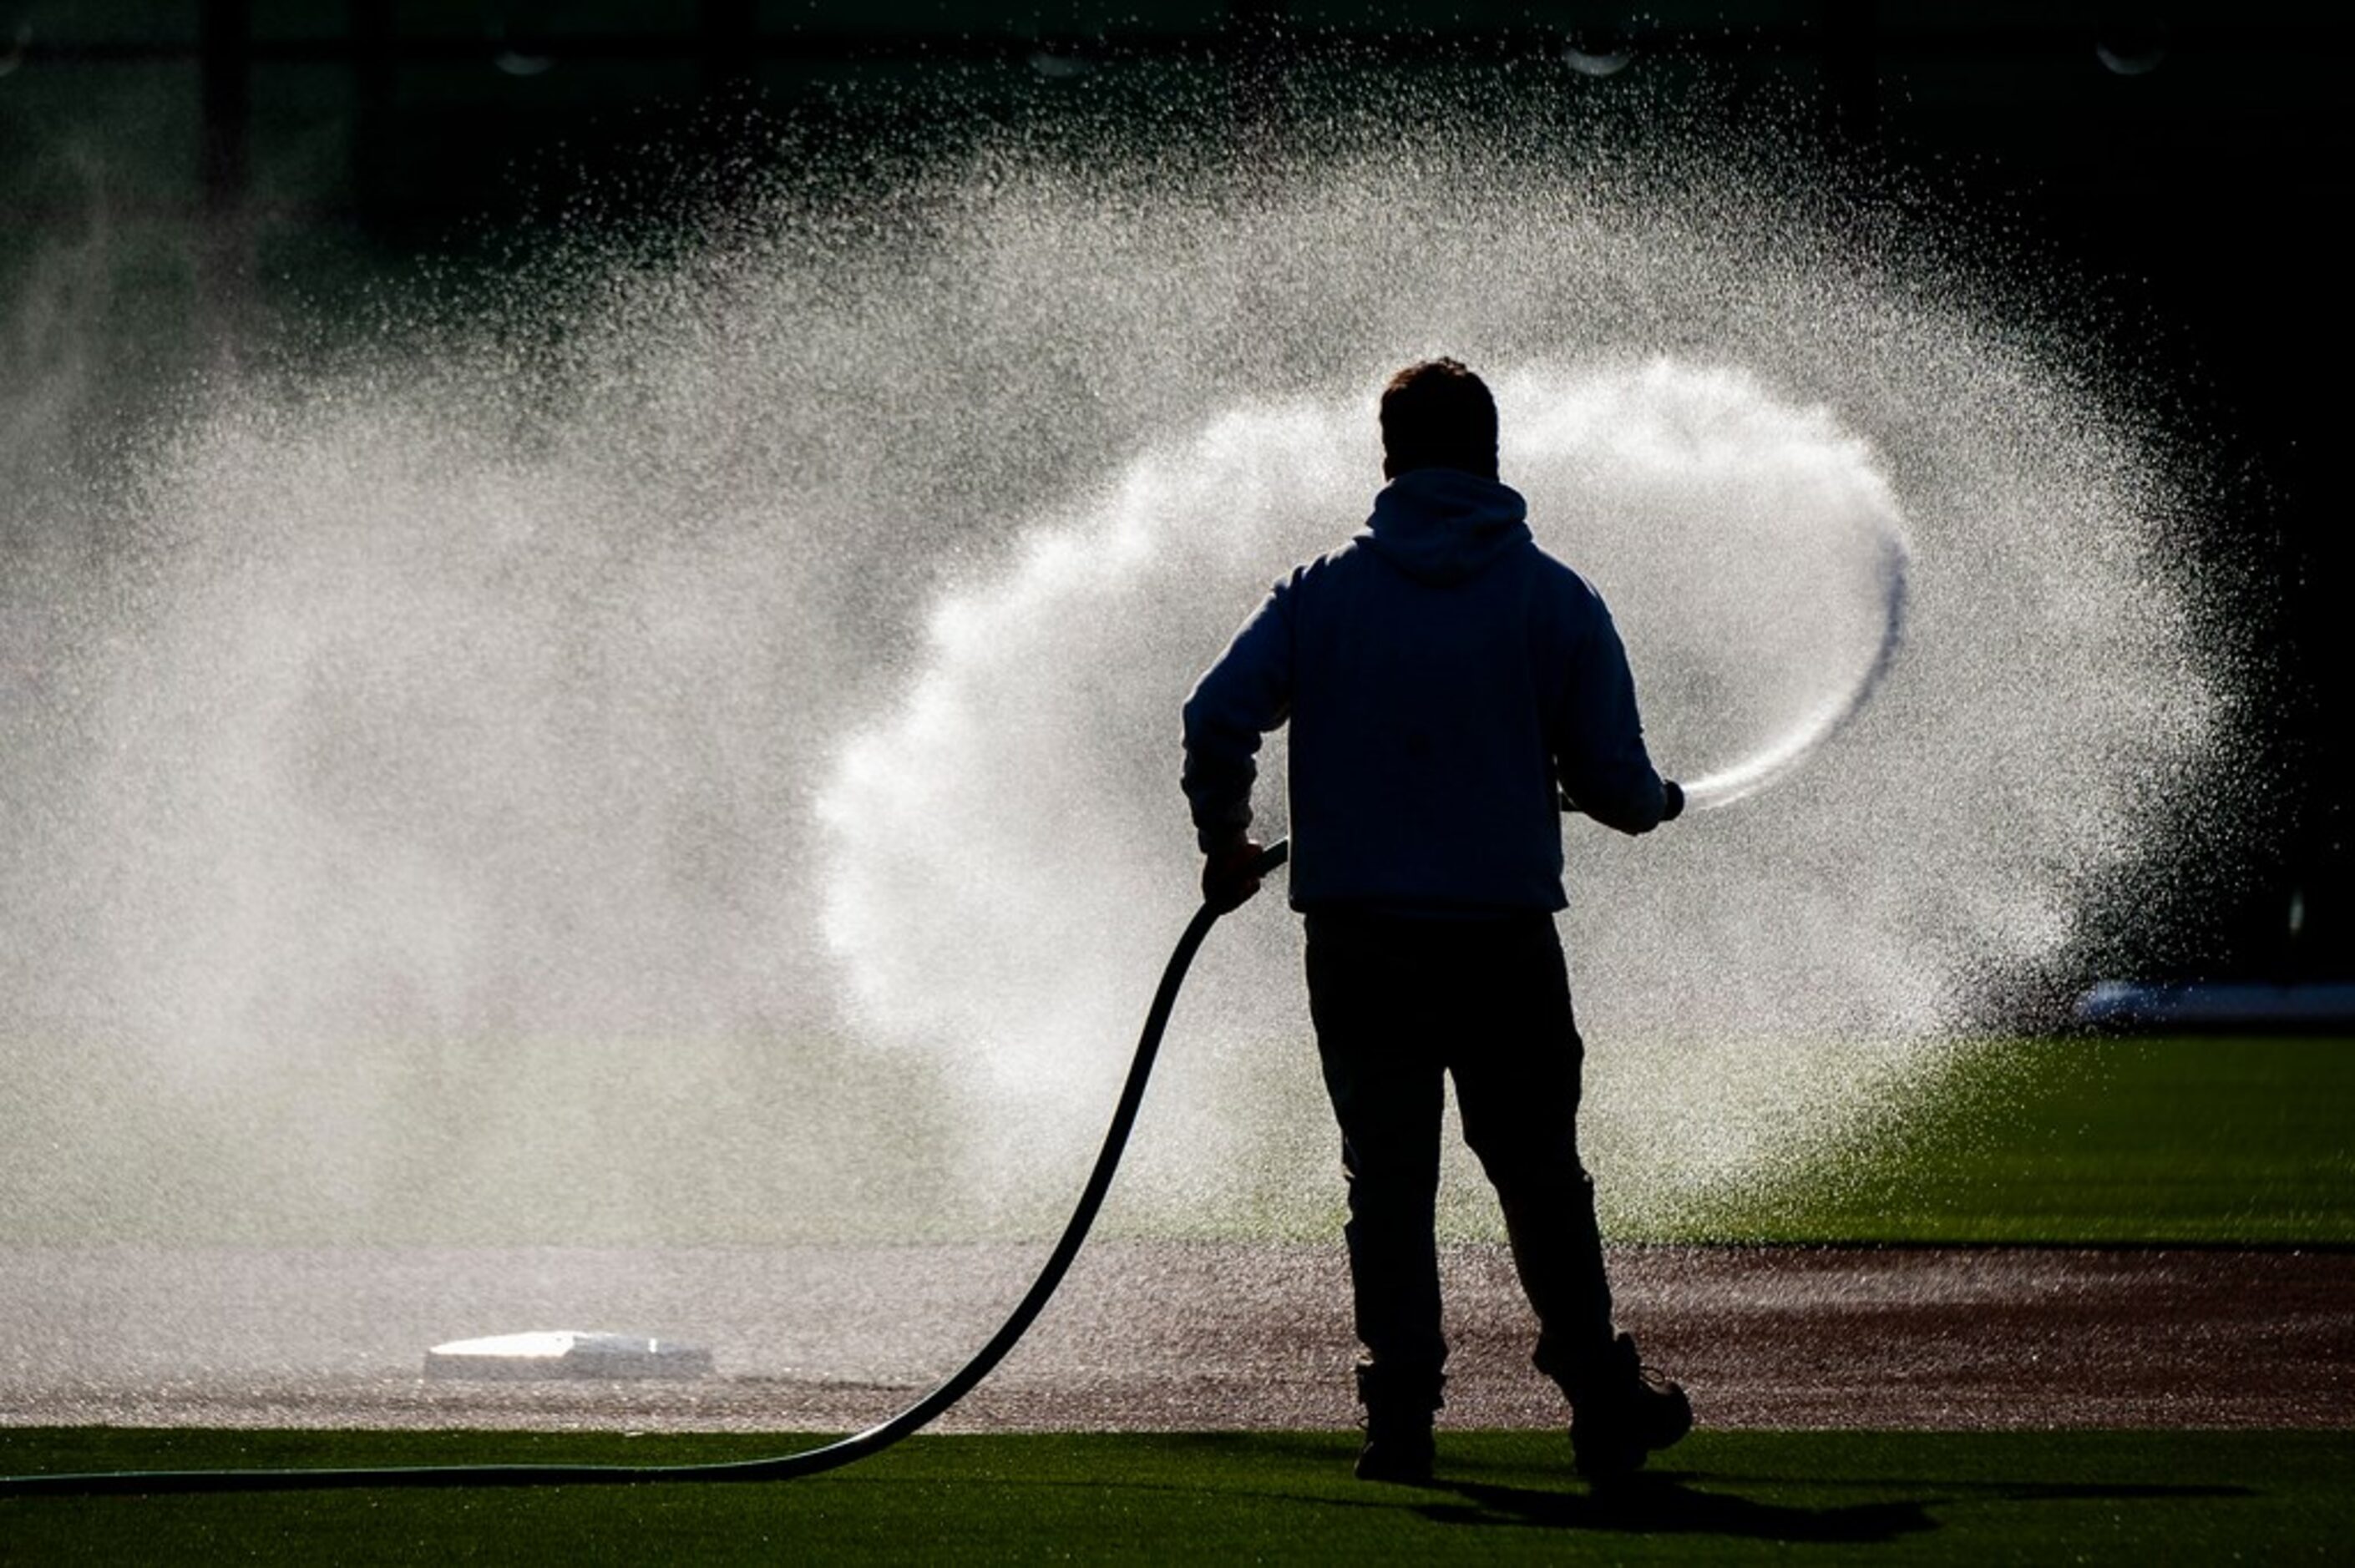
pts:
pixel 446 794
pixel 1744 778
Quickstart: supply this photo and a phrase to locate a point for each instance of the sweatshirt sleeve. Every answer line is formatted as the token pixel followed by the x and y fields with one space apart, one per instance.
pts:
pixel 1604 768
pixel 1241 697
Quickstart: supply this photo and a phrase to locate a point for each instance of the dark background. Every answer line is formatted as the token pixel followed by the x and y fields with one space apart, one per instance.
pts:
pixel 2185 163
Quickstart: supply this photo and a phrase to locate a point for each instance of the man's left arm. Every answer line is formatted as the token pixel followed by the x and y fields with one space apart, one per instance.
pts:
pixel 1602 766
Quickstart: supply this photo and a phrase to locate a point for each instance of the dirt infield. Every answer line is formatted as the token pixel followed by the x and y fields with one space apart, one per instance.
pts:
pixel 1162 1336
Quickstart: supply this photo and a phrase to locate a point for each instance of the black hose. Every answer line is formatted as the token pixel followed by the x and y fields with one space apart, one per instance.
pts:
pixel 779 1468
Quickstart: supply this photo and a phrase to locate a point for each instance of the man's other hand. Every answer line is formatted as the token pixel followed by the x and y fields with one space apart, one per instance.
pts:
pixel 1231 873
pixel 1674 795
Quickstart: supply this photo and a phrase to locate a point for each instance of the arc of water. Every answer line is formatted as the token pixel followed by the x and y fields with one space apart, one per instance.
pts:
pixel 1747 777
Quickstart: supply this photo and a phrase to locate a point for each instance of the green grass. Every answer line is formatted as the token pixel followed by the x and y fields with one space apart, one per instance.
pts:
pixel 2188 1139
pixel 1732 1496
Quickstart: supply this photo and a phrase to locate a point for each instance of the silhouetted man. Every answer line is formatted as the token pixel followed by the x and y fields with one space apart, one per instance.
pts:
pixel 1449 687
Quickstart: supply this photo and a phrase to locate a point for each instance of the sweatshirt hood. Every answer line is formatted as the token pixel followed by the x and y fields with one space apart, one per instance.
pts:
pixel 1441 525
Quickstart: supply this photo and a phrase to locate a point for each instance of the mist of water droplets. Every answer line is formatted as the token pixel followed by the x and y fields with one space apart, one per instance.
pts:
pixel 692 753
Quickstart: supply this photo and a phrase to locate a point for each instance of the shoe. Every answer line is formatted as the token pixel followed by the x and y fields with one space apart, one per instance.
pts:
pixel 1622 1412
pixel 1399 1450
pixel 1399 1406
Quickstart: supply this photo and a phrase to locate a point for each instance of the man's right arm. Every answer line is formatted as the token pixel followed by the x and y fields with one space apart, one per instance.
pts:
pixel 1241 697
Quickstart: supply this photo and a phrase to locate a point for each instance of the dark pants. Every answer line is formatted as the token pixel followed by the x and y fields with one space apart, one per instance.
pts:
pixel 1398 1003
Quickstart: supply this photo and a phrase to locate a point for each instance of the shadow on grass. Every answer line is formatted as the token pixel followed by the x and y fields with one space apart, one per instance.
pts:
pixel 2021 1491
pixel 1664 1504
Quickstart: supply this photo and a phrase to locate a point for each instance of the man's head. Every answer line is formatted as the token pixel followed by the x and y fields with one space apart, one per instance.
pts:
pixel 1438 414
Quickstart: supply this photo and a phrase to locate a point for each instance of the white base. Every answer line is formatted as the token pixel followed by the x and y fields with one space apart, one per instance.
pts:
pixel 566 1354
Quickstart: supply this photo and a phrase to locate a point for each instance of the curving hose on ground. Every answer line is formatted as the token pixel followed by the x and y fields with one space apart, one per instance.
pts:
pixel 779 1468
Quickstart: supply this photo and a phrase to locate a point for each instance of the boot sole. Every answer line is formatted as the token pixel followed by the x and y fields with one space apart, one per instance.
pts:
pixel 1626 1456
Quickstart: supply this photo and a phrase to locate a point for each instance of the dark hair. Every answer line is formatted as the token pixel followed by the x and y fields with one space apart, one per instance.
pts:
pixel 1438 414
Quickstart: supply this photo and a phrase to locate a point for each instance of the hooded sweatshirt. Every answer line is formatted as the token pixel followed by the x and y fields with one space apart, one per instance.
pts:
pixel 1446 681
